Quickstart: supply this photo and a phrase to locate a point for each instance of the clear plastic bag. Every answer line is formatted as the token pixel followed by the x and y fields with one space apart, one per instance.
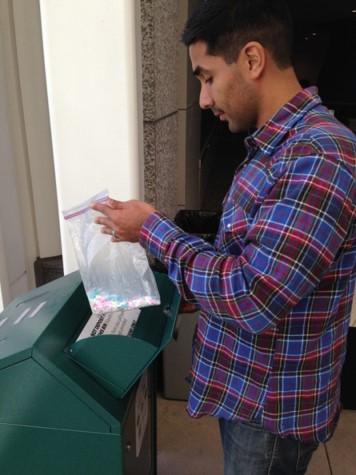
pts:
pixel 115 275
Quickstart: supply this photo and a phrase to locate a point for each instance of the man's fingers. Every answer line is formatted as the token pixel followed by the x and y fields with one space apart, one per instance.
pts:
pixel 104 209
pixel 107 230
pixel 101 207
pixel 108 208
pixel 104 222
pixel 114 204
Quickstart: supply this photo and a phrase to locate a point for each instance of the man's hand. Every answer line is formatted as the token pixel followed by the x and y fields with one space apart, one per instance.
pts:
pixel 123 219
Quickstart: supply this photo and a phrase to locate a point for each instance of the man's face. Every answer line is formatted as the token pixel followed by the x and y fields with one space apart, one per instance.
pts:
pixel 224 88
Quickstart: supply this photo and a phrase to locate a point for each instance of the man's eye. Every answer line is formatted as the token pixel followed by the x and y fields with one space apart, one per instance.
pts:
pixel 208 80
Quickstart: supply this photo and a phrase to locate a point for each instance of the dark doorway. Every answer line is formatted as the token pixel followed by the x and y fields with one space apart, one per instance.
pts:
pixel 325 42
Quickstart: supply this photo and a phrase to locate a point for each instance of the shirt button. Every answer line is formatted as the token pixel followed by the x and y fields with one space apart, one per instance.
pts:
pixel 229 226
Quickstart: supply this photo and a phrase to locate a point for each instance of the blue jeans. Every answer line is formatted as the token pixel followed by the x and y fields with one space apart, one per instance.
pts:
pixel 251 450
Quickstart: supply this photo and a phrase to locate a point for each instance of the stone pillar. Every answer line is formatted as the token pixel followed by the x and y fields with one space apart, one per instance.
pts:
pixel 160 113
pixel 170 108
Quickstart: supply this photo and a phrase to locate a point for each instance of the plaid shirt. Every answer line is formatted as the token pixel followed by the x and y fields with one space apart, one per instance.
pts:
pixel 275 290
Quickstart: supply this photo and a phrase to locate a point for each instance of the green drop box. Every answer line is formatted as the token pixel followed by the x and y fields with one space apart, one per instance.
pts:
pixel 78 407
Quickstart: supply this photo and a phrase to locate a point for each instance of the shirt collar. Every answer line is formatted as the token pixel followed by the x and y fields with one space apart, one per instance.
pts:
pixel 268 137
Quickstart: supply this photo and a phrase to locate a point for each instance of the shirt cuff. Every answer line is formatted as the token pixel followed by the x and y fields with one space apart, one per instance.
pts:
pixel 156 233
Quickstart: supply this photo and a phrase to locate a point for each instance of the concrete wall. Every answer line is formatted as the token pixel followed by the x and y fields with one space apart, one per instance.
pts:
pixel 171 115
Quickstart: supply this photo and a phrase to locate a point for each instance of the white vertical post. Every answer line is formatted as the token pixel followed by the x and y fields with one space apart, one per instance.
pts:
pixel 4 279
pixel 90 49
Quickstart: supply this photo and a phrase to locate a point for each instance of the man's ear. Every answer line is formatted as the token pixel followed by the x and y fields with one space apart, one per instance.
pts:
pixel 254 58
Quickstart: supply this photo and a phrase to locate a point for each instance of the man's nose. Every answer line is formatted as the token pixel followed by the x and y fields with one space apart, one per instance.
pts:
pixel 205 99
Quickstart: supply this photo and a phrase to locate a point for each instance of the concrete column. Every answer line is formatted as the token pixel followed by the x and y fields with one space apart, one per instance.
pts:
pixel 171 113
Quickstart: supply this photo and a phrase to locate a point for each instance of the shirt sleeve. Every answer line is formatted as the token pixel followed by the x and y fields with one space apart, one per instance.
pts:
pixel 292 241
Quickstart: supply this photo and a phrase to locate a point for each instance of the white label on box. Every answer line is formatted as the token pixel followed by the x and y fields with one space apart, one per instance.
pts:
pixel 121 322
pixel 22 316
pixel 37 309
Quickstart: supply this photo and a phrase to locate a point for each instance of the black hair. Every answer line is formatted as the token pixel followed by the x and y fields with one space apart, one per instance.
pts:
pixel 228 25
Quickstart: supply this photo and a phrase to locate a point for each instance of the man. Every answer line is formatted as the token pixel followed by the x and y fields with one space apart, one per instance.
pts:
pixel 275 290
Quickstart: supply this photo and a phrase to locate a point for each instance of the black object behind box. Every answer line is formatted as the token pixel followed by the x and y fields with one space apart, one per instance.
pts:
pixel 48 269
pixel 348 375
pixel 202 223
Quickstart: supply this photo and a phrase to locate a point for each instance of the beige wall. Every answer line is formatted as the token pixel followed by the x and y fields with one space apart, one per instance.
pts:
pixel 27 29
pixel 28 220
